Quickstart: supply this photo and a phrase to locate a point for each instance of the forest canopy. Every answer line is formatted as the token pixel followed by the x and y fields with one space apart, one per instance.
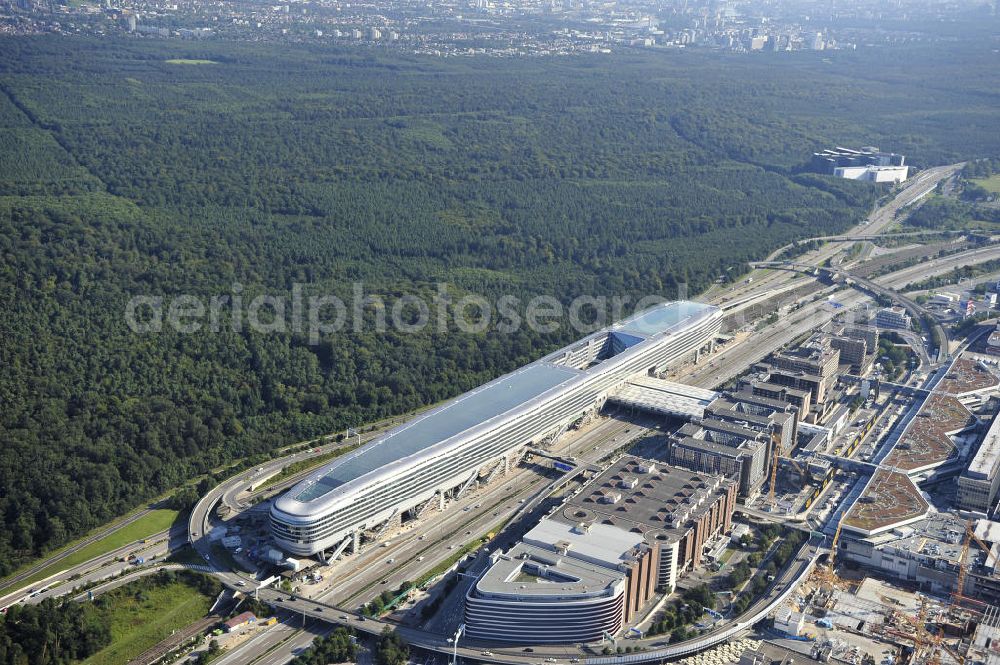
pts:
pixel 122 175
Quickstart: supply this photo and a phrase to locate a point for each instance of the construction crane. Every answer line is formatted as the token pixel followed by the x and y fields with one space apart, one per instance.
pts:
pixel 776 451
pixel 925 642
pixel 958 596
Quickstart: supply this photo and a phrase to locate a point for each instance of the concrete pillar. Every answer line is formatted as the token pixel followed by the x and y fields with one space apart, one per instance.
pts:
pixel 355 542
pixel 440 500
pixel 321 555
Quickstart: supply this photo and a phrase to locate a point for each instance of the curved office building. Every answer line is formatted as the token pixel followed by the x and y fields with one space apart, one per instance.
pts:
pixel 441 449
pixel 532 596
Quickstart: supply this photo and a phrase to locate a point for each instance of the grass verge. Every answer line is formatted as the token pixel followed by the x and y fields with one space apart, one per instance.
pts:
pixel 991 184
pixel 149 524
pixel 145 618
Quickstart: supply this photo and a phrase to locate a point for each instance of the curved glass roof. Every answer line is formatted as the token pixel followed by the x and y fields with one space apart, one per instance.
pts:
pixel 487 402
pixel 469 410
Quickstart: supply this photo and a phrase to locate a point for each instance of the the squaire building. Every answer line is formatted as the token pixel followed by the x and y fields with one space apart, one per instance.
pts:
pixel 442 449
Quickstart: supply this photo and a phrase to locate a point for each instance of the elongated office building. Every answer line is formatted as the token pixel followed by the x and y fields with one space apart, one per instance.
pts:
pixel 446 447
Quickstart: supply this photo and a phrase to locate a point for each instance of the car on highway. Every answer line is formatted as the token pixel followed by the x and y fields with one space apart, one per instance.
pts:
pixel 241 583
pixel 486 653
pixel 318 608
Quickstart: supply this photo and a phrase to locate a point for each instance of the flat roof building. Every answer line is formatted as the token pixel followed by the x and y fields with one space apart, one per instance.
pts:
pixel 594 563
pixel 893 318
pixel 829 160
pixel 718 447
pixel 979 483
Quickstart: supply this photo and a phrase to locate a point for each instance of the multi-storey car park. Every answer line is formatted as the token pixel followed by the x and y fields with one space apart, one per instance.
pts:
pixel 446 448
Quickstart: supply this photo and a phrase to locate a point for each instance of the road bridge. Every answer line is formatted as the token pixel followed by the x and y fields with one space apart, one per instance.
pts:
pixel 934 329
pixel 781 589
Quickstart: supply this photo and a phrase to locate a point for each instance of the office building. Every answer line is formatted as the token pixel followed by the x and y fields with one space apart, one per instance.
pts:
pixel 828 161
pixel 979 483
pixel 719 447
pixel 595 562
pixel 893 318
pixel 447 448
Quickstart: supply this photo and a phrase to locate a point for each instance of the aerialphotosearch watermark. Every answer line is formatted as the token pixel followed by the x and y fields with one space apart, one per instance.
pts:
pixel 326 314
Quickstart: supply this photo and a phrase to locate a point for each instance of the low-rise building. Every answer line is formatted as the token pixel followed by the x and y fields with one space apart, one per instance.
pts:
pixel 239 621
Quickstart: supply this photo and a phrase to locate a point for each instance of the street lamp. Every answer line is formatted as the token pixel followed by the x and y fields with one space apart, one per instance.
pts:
pixel 454 643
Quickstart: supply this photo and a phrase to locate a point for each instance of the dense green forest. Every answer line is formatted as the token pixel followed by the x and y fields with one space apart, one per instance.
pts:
pixel 60 631
pixel 122 174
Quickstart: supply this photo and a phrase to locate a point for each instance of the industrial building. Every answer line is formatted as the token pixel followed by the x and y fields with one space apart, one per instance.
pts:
pixel 446 449
pixel 595 562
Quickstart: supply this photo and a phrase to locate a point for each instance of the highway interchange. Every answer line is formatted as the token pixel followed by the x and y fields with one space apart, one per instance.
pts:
pixel 415 551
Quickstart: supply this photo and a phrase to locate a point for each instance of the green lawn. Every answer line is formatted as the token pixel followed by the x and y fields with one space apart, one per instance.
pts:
pixel 141 621
pixel 991 184
pixel 153 522
pixel 727 555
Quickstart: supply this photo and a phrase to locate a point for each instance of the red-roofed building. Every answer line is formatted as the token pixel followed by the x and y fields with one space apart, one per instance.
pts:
pixel 239 621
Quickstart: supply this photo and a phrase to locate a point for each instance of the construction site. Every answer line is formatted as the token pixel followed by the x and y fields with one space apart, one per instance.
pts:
pixel 902 584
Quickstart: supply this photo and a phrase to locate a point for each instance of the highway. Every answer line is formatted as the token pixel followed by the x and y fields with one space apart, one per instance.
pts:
pixel 912 192
pixel 56 558
pixel 476 513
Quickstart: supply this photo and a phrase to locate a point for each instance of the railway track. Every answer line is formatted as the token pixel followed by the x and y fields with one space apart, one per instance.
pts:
pixel 155 653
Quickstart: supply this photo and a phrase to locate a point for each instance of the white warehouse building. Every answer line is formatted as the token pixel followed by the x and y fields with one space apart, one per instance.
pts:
pixel 447 448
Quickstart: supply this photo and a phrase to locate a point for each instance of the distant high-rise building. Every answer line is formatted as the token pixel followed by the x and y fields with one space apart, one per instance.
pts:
pixel 817 43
